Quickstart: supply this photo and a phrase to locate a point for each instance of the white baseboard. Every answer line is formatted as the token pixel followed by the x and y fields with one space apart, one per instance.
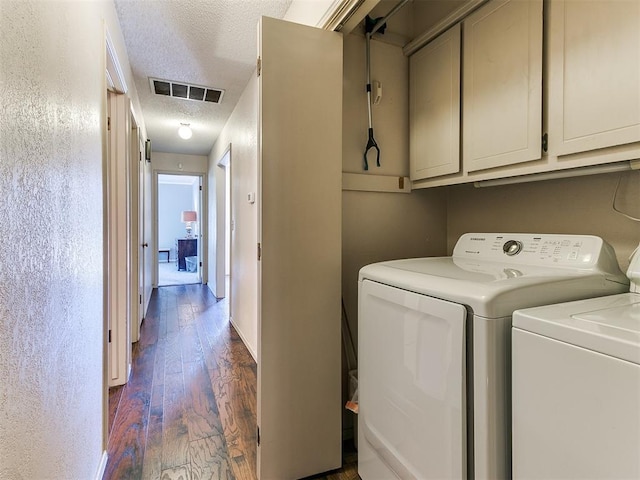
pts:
pixel 244 340
pixel 102 467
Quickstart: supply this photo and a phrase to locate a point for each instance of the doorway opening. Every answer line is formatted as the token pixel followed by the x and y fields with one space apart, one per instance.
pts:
pixel 179 229
pixel 224 230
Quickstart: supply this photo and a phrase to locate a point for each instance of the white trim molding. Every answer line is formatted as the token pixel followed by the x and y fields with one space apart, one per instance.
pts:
pixel 102 466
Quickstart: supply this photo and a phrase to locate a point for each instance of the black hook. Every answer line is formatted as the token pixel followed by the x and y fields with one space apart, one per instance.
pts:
pixel 370 23
pixel 371 143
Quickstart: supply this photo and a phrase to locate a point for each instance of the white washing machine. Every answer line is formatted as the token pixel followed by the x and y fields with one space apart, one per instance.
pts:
pixel 576 388
pixel 434 348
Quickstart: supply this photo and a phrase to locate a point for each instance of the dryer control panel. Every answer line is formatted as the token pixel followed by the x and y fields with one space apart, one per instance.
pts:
pixel 578 251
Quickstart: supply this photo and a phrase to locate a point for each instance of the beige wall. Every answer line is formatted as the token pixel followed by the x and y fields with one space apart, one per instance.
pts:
pixel 386 226
pixel 51 217
pixel 382 226
pixel 390 67
pixel 241 132
pixel 580 205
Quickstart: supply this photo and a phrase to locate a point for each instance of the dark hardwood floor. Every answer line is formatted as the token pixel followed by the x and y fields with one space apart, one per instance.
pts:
pixel 189 410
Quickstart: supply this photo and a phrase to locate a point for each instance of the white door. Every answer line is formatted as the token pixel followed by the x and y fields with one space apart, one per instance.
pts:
pixel 135 229
pixel 502 84
pixel 200 231
pixel 118 238
pixel 142 245
pixel 147 236
pixel 223 230
pixel 300 204
pixel 594 74
pixel 412 385
pixel 434 107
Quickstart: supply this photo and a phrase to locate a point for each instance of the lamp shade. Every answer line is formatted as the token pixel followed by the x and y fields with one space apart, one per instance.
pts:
pixel 189 216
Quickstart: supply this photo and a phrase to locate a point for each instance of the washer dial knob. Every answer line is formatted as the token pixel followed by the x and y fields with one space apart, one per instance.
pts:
pixel 512 247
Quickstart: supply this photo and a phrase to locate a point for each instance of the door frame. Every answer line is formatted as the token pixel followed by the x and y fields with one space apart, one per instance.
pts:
pixel 118 235
pixel 202 220
pixel 136 228
pixel 222 197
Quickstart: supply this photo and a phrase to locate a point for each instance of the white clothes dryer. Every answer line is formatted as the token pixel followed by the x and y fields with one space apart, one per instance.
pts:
pixel 434 339
pixel 576 388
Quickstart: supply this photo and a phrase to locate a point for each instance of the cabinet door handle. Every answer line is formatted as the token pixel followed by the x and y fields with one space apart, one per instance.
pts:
pixel 145 245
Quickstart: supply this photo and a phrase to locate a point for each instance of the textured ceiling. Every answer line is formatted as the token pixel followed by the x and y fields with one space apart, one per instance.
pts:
pixel 203 42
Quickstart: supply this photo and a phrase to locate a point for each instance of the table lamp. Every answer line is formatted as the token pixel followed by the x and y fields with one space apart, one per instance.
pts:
pixel 189 216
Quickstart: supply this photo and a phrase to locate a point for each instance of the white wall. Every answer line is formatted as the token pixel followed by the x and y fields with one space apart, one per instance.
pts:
pixel 178 163
pixel 241 132
pixel 51 217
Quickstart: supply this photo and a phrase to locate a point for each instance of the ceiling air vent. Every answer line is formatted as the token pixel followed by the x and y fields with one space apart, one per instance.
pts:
pixel 198 93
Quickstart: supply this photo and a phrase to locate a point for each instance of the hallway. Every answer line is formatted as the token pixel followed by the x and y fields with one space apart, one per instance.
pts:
pixel 189 409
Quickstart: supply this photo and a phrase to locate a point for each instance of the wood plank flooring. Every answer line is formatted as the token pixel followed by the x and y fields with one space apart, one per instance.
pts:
pixel 189 410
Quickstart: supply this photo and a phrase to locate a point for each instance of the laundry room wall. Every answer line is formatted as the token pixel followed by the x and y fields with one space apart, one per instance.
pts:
pixel 579 205
pixel 382 226
pixel 379 226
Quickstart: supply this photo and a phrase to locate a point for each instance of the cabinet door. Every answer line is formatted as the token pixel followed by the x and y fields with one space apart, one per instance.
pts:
pixel 434 107
pixel 594 74
pixel 502 84
pixel 300 181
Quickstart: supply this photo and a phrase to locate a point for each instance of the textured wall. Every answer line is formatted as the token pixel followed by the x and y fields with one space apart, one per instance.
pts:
pixel 51 257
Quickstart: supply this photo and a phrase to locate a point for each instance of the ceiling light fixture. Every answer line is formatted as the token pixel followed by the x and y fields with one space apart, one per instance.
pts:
pixel 185 131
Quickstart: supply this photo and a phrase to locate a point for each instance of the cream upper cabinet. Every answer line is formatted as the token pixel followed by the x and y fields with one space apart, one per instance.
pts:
pixel 594 74
pixel 502 84
pixel 434 107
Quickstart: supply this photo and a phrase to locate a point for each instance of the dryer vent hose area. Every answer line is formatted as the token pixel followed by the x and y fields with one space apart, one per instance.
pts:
pixel 348 342
pixel 352 362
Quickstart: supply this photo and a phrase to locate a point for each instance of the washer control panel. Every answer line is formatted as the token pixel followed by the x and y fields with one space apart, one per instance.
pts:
pixel 531 249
